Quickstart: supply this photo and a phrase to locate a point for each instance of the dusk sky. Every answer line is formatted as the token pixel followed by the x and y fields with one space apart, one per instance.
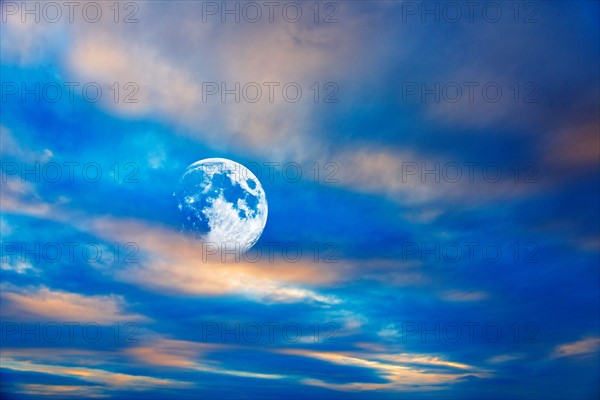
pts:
pixel 432 174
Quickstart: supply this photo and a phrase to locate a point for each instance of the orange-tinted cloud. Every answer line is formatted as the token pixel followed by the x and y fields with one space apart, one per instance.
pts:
pixel 46 304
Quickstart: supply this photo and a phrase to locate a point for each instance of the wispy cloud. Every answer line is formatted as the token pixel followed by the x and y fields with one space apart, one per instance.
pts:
pixel 460 295
pixel 402 371
pixel 76 391
pixel 583 347
pixel 113 380
pixel 503 358
pixel 46 304
pixel 188 355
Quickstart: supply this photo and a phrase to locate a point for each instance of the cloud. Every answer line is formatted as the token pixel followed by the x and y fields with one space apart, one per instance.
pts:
pixel 275 131
pixel 458 295
pixel 584 347
pixel 46 304
pixel 402 371
pixel 28 43
pixel 18 197
pixel 503 358
pixel 63 356
pixel 169 353
pixel 576 146
pixel 76 391
pixel 165 88
pixel 12 148
pixel 178 265
pixel 175 264
pixel 401 175
pixel 111 380
pixel 389 331
pixel 188 355
pixel 19 267
pixel 92 366
pixel 175 87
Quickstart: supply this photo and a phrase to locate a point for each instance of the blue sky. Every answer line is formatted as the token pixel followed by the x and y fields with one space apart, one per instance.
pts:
pixel 414 280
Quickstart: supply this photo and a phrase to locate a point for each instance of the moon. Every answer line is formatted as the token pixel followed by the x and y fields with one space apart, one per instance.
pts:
pixel 222 202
